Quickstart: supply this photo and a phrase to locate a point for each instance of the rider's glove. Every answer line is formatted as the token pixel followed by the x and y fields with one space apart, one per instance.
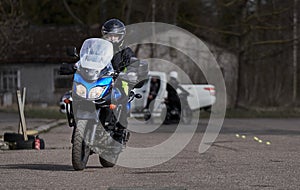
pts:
pixel 122 59
pixel 67 69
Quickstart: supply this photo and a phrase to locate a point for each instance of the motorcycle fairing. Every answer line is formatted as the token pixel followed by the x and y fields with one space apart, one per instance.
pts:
pixel 116 93
pixel 103 82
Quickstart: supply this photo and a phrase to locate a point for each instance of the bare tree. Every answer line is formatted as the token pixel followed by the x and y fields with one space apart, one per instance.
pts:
pixel 12 26
pixel 295 51
pixel 261 34
pixel 71 13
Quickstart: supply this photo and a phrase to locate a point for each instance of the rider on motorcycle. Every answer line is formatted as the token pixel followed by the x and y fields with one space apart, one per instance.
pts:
pixel 126 63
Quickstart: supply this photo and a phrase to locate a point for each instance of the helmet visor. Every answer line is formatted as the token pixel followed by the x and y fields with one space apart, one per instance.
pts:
pixel 113 37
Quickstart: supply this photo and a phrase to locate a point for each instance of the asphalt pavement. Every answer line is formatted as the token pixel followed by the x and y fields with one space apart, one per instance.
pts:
pixel 236 160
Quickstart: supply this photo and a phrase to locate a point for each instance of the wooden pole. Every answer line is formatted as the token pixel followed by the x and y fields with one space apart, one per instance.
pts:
pixel 21 114
pixel 22 110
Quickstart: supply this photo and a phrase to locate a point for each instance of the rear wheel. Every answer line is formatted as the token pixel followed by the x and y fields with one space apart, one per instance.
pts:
pixel 80 150
pixel 110 156
pixel 207 109
pixel 147 114
pixel 108 164
pixel 187 115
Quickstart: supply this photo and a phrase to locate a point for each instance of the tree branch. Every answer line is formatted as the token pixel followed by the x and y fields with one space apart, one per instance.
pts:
pixel 273 13
pixel 268 42
pixel 210 28
pixel 257 27
pixel 71 13
pixel 229 3
pixel 271 53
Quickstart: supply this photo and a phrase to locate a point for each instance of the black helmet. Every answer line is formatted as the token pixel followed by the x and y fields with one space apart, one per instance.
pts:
pixel 113 30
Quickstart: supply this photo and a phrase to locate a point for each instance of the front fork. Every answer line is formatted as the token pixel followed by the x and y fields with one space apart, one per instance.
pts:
pixel 90 133
pixel 70 113
pixel 70 116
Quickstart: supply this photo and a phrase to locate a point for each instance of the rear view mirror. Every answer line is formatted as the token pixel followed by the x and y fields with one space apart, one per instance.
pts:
pixel 138 96
pixel 72 51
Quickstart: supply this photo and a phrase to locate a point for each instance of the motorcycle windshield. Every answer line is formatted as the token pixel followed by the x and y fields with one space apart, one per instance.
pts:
pixel 96 54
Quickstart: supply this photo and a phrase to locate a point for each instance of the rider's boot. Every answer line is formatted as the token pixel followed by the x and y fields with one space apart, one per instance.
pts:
pixel 121 135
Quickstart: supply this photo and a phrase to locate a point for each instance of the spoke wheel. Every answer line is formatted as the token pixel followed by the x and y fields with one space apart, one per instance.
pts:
pixel 80 150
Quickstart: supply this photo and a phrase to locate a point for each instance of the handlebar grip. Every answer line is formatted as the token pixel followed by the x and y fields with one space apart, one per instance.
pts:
pixel 67 69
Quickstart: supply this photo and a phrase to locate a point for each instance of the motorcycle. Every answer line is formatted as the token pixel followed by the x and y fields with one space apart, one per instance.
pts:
pixel 179 110
pixel 92 106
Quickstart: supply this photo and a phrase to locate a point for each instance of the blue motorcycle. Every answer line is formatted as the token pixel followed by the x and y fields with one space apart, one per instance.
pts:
pixel 93 108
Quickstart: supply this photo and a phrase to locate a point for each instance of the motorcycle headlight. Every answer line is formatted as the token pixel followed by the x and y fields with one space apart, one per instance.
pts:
pixel 96 92
pixel 81 90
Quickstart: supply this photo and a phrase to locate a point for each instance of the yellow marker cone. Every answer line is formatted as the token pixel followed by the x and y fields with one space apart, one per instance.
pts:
pixel 255 138
pixel 237 135
pixel 268 143
pixel 260 141
pixel 243 136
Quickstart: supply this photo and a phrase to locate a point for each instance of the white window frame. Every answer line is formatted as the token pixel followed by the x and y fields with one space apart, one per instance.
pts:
pixel 10 76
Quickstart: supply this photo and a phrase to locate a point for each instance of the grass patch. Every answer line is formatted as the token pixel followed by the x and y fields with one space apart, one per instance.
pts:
pixel 51 112
pixel 44 113
pixel 263 113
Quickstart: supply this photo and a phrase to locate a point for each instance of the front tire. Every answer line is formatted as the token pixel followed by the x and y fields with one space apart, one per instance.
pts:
pixel 80 150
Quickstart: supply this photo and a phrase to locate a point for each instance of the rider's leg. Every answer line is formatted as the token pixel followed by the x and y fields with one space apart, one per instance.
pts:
pixel 120 133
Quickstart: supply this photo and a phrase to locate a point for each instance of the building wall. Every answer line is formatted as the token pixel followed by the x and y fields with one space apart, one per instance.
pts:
pixel 38 78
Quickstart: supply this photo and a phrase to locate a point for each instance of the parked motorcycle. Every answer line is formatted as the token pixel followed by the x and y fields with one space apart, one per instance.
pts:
pixel 179 111
pixel 92 107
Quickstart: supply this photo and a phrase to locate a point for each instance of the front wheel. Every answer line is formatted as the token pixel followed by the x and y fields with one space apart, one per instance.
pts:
pixel 80 150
